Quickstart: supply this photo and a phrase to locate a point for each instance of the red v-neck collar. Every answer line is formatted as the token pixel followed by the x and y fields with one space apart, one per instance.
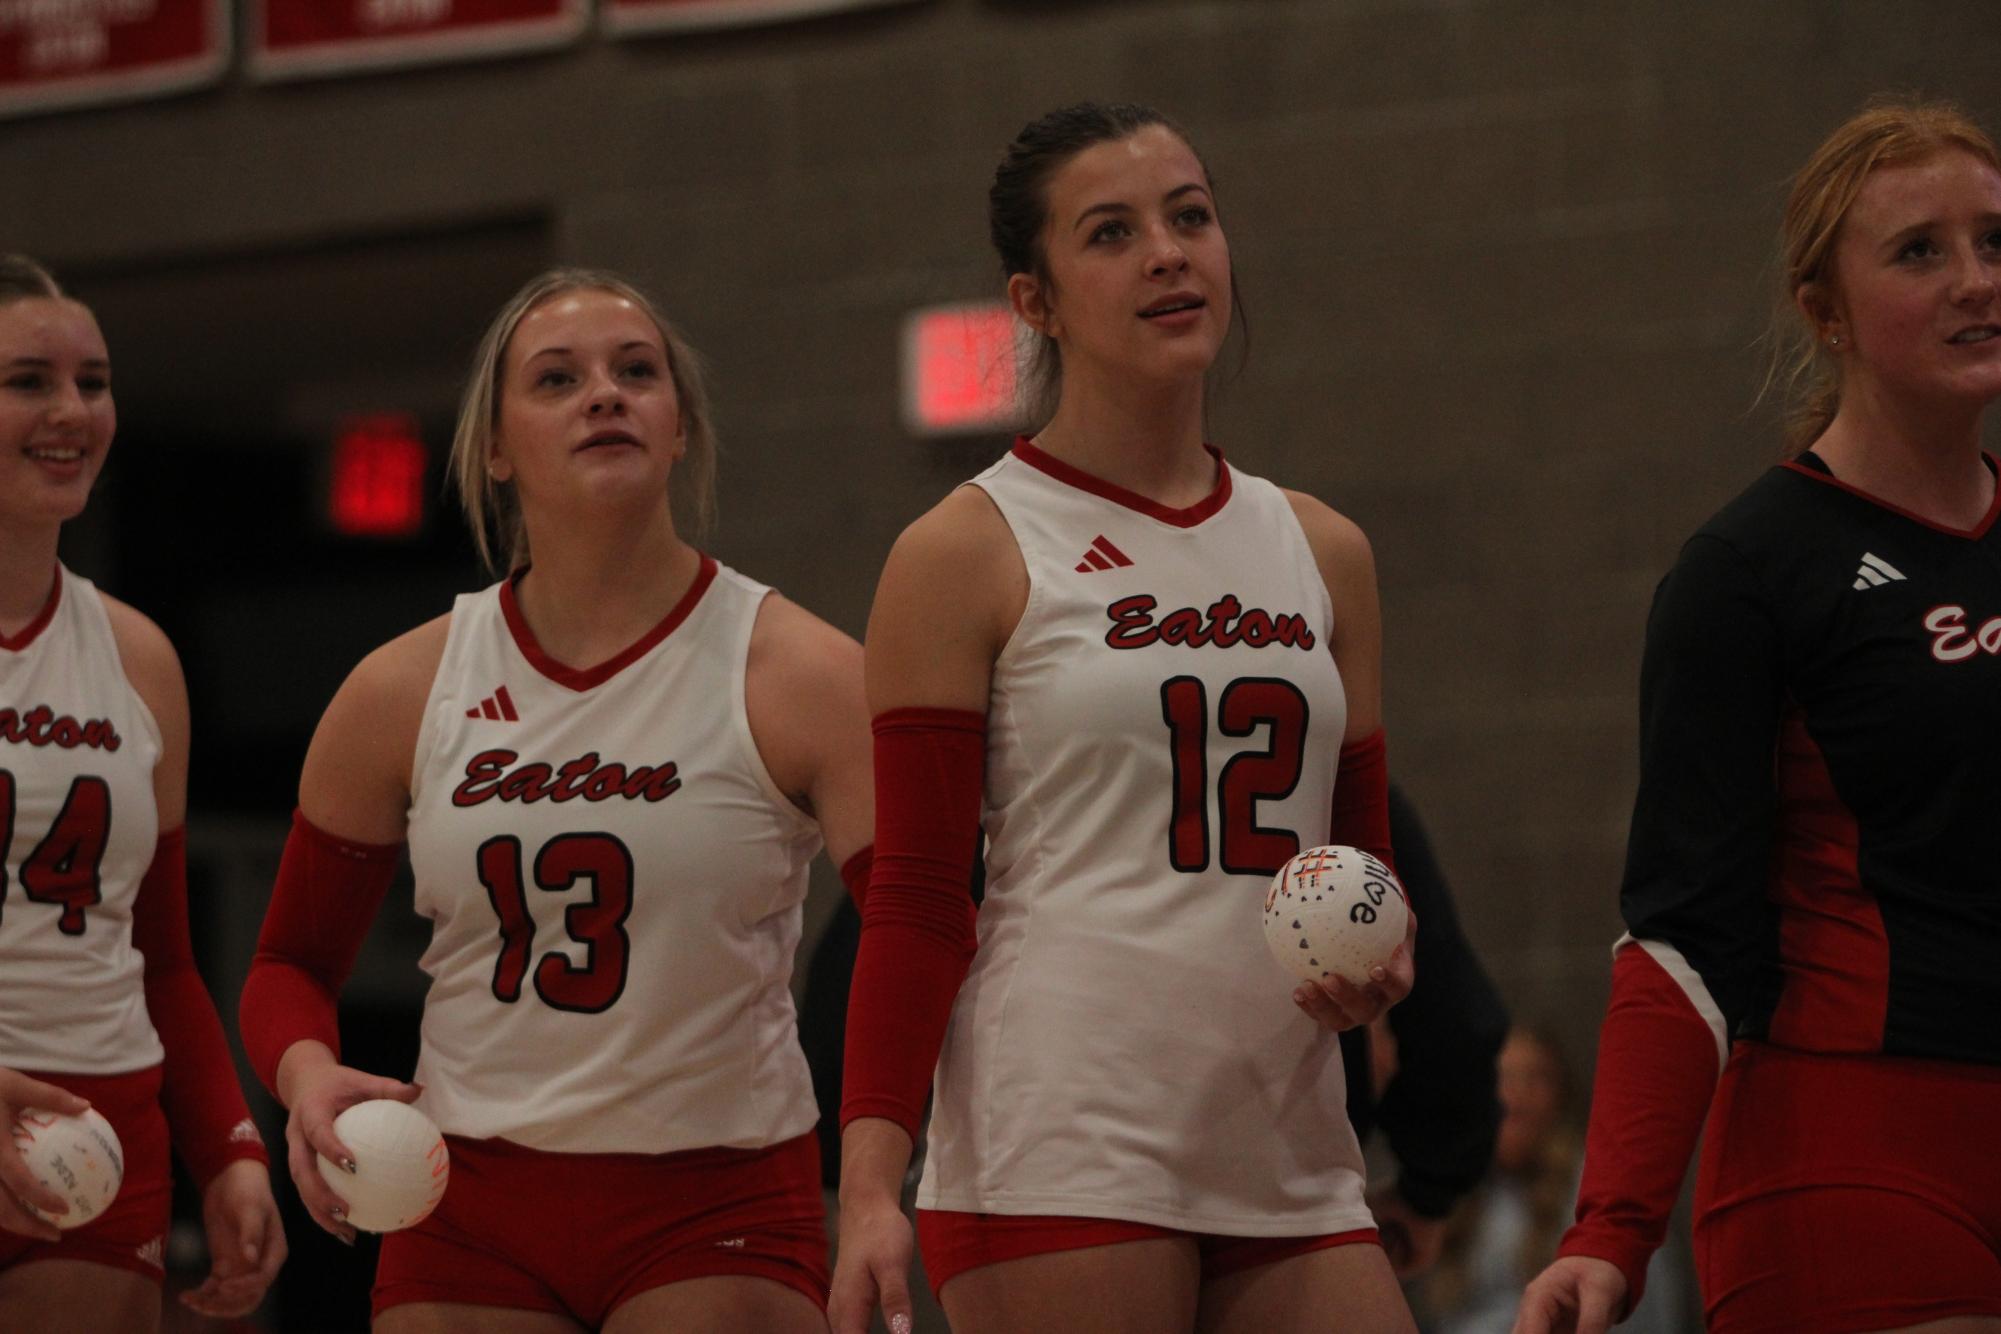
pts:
pixel 587 677
pixel 16 643
pixel 1027 452
pixel 1975 533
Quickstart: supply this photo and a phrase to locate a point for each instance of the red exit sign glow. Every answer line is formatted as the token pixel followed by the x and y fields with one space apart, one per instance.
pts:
pixel 962 369
pixel 377 485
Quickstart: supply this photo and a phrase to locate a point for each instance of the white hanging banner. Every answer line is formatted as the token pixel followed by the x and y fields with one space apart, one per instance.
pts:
pixel 72 53
pixel 631 18
pixel 296 39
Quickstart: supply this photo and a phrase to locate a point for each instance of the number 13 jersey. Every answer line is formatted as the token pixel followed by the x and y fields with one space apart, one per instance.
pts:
pixel 614 883
pixel 1163 728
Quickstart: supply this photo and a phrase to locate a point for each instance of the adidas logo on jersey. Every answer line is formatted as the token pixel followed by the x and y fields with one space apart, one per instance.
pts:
pixel 1874 572
pixel 1102 555
pixel 498 706
pixel 153 1253
pixel 245 1132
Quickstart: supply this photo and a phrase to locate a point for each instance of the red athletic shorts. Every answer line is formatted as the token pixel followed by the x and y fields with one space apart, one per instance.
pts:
pixel 132 1233
pixel 1845 1193
pixel 582 1233
pixel 954 1242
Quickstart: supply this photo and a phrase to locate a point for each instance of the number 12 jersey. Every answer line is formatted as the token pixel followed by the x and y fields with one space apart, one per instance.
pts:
pixel 1162 735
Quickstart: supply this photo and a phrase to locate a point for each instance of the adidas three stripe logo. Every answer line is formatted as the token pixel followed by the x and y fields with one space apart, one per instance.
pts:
pixel 1874 572
pixel 1102 555
pixel 498 706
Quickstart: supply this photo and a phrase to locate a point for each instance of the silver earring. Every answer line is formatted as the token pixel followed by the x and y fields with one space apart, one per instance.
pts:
pixel 1834 341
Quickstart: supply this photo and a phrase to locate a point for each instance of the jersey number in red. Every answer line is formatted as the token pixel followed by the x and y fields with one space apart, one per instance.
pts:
pixel 63 869
pixel 1250 776
pixel 598 923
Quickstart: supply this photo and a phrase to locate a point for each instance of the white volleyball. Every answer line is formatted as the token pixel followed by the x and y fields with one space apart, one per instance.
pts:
pixel 401 1166
pixel 1334 912
pixel 78 1157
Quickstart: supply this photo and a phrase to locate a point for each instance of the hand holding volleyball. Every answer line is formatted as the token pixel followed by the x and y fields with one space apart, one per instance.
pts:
pixel 319 1090
pixel 1336 918
pixel 75 1157
pixel 21 1194
pixel 399 1165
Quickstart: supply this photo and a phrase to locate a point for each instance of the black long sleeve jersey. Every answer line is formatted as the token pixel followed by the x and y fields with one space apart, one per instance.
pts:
pixel 1818 824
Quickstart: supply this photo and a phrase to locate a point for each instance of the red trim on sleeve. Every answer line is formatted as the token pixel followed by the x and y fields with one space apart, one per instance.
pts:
pixel 1361 817
pixel 917 919
pixel 204 1104
pixel 325 898
pixel 855 873
pixel 1657 1074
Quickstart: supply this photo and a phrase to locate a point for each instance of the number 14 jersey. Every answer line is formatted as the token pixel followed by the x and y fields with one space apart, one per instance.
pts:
pixel 614 883
pixel 1162 734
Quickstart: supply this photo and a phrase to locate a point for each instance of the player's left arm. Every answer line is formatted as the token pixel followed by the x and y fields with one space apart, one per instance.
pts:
pixel 809 719
pixel 205 1108
pixel 1347 567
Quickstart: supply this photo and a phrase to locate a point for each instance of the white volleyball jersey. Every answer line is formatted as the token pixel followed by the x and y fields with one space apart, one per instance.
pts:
pixel 77 830
pixel 1162 734
pixel 614 883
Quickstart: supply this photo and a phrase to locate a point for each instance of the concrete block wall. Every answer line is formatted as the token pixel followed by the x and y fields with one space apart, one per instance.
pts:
pixel 1506 262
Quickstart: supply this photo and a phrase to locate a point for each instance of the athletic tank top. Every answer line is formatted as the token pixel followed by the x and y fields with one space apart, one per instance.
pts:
pixel 77 830
pixel 614 884
pixel 1162 734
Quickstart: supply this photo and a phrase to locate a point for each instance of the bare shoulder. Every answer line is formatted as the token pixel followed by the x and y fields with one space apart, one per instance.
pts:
pixel 356 781
pixel 957 562
pixel 150 663
pixel 400 673
pixel 793 642
pixel 951 594
pixel 803 696
pixel 964 531
pixel 801 667
pixel 1338 542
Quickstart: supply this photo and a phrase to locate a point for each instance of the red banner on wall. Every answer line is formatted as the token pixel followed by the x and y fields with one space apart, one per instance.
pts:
pixel 632 17
pixel 67 53
pixel 295 39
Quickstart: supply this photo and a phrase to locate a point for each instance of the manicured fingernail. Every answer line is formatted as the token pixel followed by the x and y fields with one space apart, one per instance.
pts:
pixel 347 1166
pixel 899 1324
pixel 338 1212
pixel 1380 974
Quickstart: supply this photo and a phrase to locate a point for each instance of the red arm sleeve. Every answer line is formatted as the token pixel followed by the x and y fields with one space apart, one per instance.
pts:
pixel 327 895
pixel 1362 799
pixel 917 916
pixel 210 1122
pixel 1658 1063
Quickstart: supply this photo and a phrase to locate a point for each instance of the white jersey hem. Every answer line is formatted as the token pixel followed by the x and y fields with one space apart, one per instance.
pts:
pixel 1259 1224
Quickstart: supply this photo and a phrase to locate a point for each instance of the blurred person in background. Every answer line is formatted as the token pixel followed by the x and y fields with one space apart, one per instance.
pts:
pixel 1131 1130
pixel 100 1002
pixel 1502 1235
pixel 1811 889
pixel 612 769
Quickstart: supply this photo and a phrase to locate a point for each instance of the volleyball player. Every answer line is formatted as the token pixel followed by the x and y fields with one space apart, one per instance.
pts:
pixel 612 769
pixel 1140 670
pixel 100 1002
